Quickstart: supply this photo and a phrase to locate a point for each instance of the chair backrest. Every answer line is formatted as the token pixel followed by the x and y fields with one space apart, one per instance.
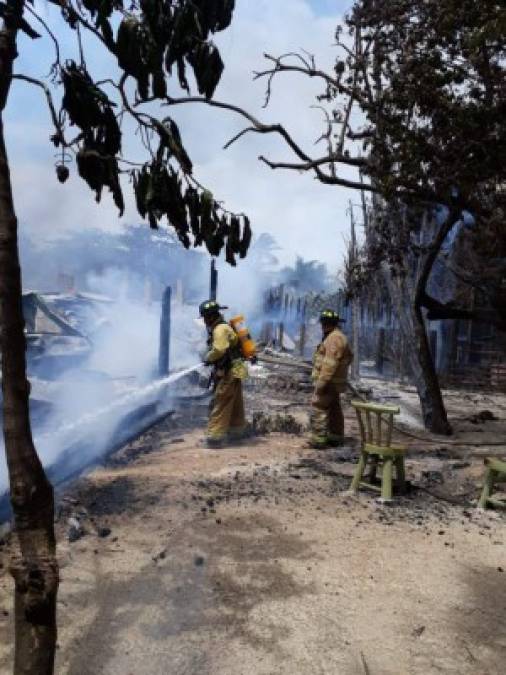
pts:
pixel 371 430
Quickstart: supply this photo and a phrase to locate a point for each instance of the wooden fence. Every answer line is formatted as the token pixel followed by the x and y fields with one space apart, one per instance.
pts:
pixel 469 367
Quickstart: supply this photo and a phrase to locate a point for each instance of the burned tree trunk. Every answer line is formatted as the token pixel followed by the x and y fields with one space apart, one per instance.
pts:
pixel 418 353
pixel 407 281
pixel 34 565
pixel 427 381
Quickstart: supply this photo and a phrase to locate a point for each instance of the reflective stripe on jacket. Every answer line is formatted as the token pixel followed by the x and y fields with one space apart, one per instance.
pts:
pixel 332 359
pixel 224 338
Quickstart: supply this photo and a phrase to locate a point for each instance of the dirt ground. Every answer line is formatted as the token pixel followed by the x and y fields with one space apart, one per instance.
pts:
pixel 254 560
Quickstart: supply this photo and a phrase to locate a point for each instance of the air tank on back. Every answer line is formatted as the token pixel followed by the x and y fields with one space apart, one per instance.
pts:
pixel 248 345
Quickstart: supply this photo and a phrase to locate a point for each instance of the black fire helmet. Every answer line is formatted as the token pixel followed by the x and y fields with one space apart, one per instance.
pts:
pixel 210 307
pixel 330 317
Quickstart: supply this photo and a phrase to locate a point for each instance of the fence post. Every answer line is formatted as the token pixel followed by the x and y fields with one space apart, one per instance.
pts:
pixel 213 282
pixel 355 366
pixel 164 347
pixel 267 332
pixel 380 351
pixel 281 335
pixel 302 342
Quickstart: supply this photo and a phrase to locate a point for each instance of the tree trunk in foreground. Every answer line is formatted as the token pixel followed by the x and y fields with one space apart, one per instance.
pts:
pixel 427 381
pixel 418 353
pixel 34 566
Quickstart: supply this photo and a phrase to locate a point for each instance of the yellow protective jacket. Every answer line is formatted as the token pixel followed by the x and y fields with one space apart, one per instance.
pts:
pixel 332 359
pixel 222 340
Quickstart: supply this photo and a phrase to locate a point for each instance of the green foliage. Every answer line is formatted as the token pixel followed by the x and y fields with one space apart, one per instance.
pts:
pixel 434 91
pixel 207 65
pixel 152 36
pixel 159 192
pixel 430 80
pixel 168 33
pixel 100 171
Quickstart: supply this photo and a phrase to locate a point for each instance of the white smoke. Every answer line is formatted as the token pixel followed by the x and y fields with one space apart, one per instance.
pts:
pixel 91 401
pixel 119 376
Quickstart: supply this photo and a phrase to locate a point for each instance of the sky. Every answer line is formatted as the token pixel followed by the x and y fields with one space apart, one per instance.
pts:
pixel 306 217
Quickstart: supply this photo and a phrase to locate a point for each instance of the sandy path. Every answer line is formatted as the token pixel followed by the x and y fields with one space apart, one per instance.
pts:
pixel 252 560
pixel 279 574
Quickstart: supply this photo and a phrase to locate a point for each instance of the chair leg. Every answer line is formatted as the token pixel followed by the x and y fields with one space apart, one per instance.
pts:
pixel 488 488
pixel 359 472
pixel 386 480
pixel 401 474
pixel 373 469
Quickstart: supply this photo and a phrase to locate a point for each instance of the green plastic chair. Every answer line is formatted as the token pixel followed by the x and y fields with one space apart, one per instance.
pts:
pixel 495 473
pixel 377 449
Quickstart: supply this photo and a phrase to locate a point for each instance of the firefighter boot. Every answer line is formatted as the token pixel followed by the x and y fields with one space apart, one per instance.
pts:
pixel 213 443
pixel 335 441
pixel 318 442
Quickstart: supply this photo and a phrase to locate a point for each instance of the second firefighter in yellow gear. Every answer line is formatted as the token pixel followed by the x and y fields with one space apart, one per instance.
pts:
pixel 330 372
pixel 226 416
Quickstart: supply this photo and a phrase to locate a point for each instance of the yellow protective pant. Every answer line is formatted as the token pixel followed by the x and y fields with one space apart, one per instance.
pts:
pixel 227 408
pixel 327 419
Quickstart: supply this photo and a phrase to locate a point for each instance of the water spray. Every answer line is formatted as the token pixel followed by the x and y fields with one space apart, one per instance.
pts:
pixel 126 401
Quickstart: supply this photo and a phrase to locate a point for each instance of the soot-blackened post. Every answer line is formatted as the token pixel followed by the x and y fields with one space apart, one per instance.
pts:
pixel 164 350
pixel 213 283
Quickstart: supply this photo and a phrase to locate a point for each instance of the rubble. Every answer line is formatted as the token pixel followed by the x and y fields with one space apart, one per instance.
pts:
pixel 276 484
pixel 432 477
pixel 75 530
pixel 265 424
pixel 482 416
pixel 161 555
pixel 103 532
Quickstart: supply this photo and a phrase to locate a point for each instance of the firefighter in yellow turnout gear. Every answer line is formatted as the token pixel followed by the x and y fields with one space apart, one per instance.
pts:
pixel 226 418
pixel 330 372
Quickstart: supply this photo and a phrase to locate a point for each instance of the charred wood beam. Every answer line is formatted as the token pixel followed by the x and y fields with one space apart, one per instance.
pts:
pixel 164 348
pixel 360 135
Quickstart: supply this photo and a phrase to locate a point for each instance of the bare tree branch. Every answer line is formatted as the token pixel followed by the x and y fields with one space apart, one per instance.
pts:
pixel 89 26
pixel 324 178
pixel 307 66
pixel 313 163
pixel 143 119
pixel 52 110
pixel 260 127
pixel 306 69
pixel 48 31
pixel 327 135
pixel 359 135
pixel 335 83
pixel 351 98
pixel 238 136
pixel 80 44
